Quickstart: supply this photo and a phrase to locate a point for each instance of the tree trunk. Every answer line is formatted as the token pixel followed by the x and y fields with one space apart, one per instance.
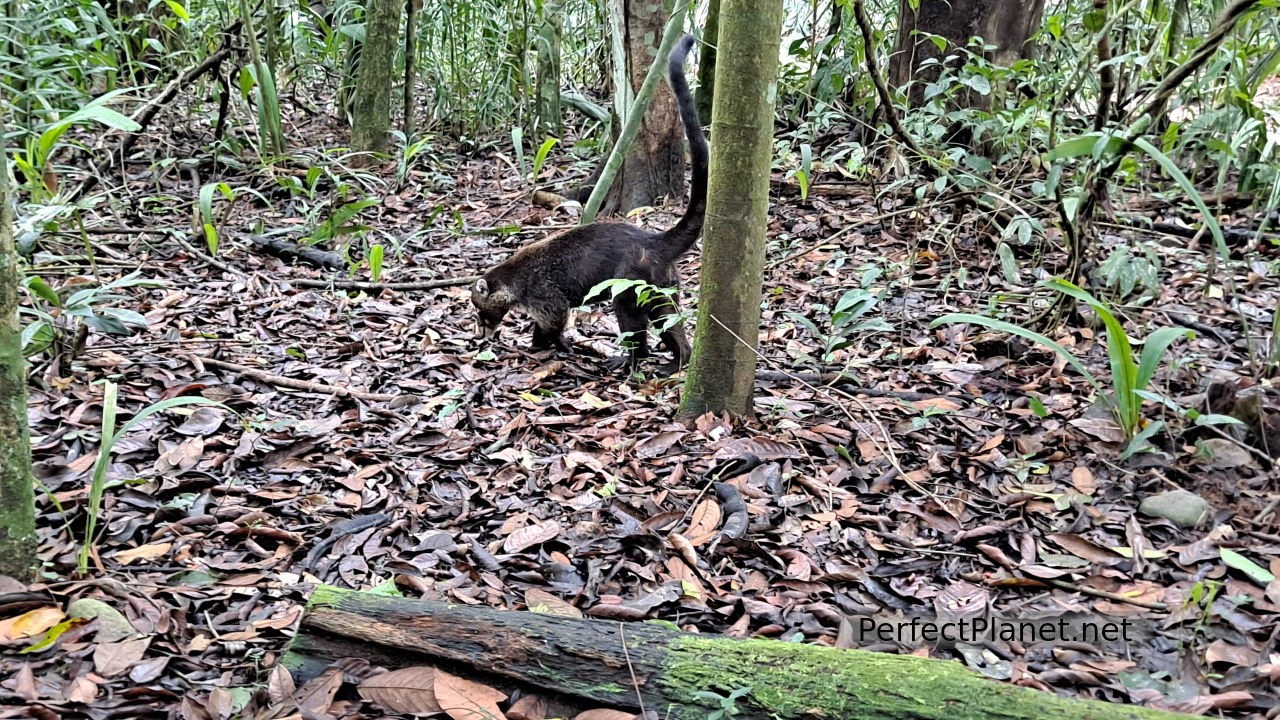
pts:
pixel 550 27
pixel 707 62
pixel 371 111
pixel 1007 24
pixel 407 123
pixel 17 500
pixel 723 367
pixel 598 662
pixel 654 165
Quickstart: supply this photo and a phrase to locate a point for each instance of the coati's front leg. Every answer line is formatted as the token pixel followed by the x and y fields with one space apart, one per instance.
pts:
pixel 548 332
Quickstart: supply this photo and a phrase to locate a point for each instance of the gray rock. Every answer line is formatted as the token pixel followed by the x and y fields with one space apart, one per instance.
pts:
pixel 1182 508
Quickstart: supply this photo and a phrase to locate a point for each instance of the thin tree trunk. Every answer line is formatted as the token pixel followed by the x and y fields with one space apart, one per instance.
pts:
pixel 371 115
pixel 1007 24
pixel 548 52
pixel 654 165
pixel 609 171
pixel 723 367
pixel 707 61
pixel 410 67
pixel 17 500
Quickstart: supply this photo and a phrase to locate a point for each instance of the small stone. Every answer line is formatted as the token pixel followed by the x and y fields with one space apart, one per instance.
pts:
pixel 112 625
pixel 1182 508
pixel 1224 454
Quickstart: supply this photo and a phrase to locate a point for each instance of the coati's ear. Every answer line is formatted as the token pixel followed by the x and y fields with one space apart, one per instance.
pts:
pixel 482 287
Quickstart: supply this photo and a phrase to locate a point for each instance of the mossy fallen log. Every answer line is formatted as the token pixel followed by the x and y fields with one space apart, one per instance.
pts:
pixel 605 663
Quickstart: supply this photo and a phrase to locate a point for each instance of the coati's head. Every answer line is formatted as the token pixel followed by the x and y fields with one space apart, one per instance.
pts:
pixel 492 302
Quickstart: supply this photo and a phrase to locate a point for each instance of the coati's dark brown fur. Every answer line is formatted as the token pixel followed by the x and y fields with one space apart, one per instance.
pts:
pixel 550 277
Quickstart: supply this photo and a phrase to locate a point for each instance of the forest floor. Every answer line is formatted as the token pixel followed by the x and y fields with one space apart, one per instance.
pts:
pixel 962 470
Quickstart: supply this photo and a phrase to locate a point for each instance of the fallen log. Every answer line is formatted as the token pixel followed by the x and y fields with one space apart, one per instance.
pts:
pixel 622 665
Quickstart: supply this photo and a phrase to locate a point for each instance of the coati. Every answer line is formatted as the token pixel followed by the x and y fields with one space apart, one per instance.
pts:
pixel 552 276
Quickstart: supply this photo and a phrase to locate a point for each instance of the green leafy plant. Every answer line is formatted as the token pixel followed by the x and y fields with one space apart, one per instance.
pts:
pixel 338 223
pixel 408 152
pixel 541 157
pixel 57 318
pixel 1124 271
pixel 1102 144
pixel 646 295
pixel 847 322
pixel 33 161
pixel 205 216
pixel 728 704
pixel 1130 376
pixel 804 172
pixel 375 262
pixel 110 437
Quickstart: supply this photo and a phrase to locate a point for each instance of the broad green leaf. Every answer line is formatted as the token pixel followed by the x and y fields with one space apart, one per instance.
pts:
pixel 43 291
pixel 375 262
pixel 541 156
pixel 1256 572
pixel 1153 351
pixel 1081 146
pixel 1022 332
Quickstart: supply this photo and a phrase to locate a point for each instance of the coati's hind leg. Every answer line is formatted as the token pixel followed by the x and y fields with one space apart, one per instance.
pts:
pixel 666 317
pixel 633 323
pixel 548 332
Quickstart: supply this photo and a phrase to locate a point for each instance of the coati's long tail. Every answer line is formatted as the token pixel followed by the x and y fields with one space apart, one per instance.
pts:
pixel 676 241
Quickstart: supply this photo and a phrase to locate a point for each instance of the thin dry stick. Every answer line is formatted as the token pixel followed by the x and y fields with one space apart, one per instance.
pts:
pixel 204 257
pixel 886 100
pixel 358 285
pixel 1148 604
pixel 293 383
pixel 635 683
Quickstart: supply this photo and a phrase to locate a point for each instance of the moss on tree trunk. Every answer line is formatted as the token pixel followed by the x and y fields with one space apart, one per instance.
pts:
pixel 707 61
pixel 590 663
pixel 371 107
pixel 722 370
pixel 548 68
pixel 17 501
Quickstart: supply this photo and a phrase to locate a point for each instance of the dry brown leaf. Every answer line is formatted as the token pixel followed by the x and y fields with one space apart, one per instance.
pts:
pixel 1083 548
pixel 531 535
pixel 766 449
pixel 114 658
pixel 705 522
pixel 316 695
pixel 605 714
pixel 682 545
pixel 29 624
pixel 1083 481
pixel 462 699
pixel 659 444
pixel 280 684
pixel 543 602
pixel 1223 652
pixel 938 404
pixel 143 552
pixel 81 690
pixel 528 707
pixel 408 690
pixel 23 683
pixel 221 704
